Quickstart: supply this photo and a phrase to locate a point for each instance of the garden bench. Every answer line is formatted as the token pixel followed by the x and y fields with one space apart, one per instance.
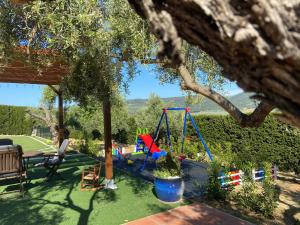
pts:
pixel 6 141
pixel 11 166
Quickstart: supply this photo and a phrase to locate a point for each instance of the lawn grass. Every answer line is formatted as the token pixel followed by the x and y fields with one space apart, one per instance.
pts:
pixel 62 201
pixel 29 143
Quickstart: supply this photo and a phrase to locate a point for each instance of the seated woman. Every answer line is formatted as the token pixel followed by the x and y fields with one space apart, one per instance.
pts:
pixel 53 161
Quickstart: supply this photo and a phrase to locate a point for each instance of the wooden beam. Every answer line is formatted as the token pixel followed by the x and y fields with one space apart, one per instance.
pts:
pixel 22 81
pixel 107 139
pixel 60 117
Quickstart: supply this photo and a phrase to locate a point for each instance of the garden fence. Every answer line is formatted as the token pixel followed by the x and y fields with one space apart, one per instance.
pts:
pixel 235 177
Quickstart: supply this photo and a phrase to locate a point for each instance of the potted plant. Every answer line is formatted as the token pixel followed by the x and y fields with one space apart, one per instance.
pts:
pixel 168 183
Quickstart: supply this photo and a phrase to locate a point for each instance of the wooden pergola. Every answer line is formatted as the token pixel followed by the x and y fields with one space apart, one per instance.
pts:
pixel 19 72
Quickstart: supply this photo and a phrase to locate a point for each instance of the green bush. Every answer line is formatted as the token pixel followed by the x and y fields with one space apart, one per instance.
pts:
pixel 77 134
pixel 191 149
pixel 258 197
pixel 168 166
pixel 274 141
pixel 214 189
pixel 90 147
pixel 121 136
pixel 15 121
pixel 96 134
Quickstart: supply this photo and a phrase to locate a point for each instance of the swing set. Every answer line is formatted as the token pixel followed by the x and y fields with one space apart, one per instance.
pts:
pixel 187 115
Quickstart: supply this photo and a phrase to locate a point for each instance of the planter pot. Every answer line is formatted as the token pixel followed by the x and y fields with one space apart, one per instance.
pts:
pixel 169 189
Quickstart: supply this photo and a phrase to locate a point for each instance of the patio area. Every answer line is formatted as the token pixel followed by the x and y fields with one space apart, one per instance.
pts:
pixel 62 201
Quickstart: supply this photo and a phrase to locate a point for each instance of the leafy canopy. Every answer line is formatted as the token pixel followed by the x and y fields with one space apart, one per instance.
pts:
pixel 100 41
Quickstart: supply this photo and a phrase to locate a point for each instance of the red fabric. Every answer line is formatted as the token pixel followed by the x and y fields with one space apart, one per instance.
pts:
pixel 147 139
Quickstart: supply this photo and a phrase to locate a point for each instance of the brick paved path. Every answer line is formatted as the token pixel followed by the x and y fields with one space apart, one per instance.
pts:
pixel 195 214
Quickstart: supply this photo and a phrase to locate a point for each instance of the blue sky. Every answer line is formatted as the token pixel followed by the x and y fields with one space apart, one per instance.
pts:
pixel 143 85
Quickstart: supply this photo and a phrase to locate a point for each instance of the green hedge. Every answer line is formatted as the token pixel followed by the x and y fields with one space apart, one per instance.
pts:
pixel 274 141
pixel 13 120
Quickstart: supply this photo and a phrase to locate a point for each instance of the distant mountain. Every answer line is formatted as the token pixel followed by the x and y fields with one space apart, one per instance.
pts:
pixel 242 101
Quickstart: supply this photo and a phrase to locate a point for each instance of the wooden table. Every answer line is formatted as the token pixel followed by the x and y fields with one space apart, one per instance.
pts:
pixel 29 155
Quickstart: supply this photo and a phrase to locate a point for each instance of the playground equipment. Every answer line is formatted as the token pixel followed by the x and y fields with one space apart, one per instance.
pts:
pixel 234 177
pixel 117 151
pixel 139 144
pixel 150 143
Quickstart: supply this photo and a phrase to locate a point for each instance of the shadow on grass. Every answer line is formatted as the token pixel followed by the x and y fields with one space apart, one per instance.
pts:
pixel 61 201
pixel 139 186
pixel 29 209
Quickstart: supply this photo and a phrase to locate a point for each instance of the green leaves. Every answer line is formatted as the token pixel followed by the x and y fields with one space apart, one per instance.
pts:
pixel 168 166
pixel 14 120
pixel 204 69
pixel 274 141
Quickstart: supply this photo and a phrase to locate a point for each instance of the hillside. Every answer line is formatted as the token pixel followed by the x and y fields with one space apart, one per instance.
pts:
pixel 241 100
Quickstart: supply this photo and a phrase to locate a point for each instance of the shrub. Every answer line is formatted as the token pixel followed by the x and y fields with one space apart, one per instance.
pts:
pixel 96 134
pixel 90 147
pixel 94 147
pixel 121 136
pixel 168 166
pixel 214 188
pixel 191 149
pixel 76 134
pixel 14 120
pixel 273 141
pixel 258 197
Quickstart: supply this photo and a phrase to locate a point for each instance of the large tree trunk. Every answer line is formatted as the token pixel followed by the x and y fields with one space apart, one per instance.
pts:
pixel 256 42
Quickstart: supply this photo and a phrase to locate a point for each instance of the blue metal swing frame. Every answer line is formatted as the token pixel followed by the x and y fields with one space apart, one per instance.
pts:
pixel 187 115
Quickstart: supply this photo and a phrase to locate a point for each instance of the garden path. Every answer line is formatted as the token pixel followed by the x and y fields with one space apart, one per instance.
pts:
pixel 197 213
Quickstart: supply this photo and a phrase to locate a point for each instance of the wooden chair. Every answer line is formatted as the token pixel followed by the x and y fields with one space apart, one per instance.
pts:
pixel 11 164
pixel 90 179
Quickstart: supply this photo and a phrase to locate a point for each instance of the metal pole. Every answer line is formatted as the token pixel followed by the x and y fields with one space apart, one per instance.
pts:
pixel 184 131
pixel 168 132
pixel 176 109
pixel 200 136
pixel 154 138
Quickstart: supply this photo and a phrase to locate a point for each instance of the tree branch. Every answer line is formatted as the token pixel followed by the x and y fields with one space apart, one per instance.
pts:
pixel 253 120
pixel 35 115
pixel 257 43
pixel 54 89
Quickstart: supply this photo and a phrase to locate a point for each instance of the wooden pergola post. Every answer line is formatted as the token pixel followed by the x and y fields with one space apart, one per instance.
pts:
pixel 60 117
pixel 107 139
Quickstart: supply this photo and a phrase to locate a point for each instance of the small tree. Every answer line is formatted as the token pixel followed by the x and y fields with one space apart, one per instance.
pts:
pixel 47 113
pixel 149 116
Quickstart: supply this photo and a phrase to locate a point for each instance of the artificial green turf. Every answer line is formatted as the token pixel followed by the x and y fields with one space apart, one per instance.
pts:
pixel 62 201
pixel 27 143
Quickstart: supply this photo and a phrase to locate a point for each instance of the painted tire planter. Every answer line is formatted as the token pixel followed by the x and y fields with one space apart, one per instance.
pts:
pixel 169 189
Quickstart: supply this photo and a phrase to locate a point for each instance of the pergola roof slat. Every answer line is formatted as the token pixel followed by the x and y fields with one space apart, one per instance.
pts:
pixel 18 72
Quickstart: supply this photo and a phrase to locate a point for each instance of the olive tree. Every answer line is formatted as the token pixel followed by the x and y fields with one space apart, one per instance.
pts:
pixel 255 42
